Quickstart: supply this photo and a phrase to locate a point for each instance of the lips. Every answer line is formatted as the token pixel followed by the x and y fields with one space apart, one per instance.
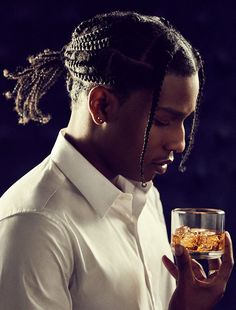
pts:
pixel 161 166
pixel 163 162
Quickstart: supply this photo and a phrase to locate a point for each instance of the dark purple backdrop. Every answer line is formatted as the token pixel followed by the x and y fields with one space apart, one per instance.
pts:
pixel 28 27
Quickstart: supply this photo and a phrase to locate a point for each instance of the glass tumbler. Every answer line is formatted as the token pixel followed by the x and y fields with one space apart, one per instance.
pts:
pixel 201 231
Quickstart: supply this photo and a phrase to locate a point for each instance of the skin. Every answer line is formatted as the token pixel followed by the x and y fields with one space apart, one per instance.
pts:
pixel 194 289
pixel 113 145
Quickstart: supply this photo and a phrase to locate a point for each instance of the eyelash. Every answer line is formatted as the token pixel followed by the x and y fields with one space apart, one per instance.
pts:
pixel 161 124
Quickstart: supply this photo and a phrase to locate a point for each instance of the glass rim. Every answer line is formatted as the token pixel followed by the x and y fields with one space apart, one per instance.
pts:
pixel 198 210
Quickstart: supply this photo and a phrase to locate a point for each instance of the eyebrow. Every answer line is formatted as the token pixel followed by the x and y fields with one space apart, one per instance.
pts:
pixel 173 112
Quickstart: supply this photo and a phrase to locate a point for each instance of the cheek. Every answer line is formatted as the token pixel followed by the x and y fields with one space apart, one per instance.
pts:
pixel 132 133
pixel 155 148
pixel 125 140
pixel 156 138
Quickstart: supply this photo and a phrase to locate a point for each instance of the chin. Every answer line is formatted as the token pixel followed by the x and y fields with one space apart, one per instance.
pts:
pixel 154 174
pixel 148 176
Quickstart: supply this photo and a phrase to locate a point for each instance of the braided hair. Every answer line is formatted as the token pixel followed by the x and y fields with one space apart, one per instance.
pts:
pixel 124 51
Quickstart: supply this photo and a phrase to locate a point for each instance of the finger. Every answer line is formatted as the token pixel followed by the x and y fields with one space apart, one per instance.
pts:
pixel 183 261
pixel 227 260
pixel 198 270
pixel 170 266
pixel 213 266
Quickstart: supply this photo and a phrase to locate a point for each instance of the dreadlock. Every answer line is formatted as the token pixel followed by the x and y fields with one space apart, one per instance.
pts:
pixel 123 51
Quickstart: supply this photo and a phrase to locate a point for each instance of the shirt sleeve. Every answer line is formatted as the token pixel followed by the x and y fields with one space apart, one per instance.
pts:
pixel 35 263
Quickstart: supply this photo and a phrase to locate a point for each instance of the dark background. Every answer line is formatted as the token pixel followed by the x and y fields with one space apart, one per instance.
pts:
pixel 28 27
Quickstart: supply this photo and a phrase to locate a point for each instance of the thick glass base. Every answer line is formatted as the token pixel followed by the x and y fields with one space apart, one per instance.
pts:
pixel 204 255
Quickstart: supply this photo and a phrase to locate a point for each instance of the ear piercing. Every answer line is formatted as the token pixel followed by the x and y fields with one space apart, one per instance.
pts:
pixel 100 120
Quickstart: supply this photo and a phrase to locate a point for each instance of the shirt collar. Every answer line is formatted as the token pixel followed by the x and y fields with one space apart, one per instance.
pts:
pixel 100 192
pixel 138 192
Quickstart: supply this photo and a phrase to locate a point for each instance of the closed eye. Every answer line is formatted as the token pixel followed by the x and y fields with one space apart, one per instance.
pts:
pixel 159 123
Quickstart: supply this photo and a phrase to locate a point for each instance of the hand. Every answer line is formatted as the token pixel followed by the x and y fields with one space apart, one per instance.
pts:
pixel 196 291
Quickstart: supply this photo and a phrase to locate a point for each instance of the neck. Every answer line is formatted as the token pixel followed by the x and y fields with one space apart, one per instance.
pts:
pixel 79 134
pixel 88 150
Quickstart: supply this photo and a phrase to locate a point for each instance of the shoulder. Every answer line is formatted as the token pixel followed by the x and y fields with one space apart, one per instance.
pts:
pixel 32 192
pixel 37 259
pixel 28 228
pixel 33 237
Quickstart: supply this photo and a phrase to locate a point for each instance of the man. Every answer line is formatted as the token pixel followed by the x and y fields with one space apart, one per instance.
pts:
pixel 85 228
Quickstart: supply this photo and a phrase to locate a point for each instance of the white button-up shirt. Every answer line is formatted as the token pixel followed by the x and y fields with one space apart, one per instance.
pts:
pixel 72 239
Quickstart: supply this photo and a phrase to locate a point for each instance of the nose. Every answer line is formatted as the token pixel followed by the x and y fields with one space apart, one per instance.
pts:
pixel 176 141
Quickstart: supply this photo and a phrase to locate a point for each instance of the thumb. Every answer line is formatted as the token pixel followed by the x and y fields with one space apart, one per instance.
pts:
pixel 183 262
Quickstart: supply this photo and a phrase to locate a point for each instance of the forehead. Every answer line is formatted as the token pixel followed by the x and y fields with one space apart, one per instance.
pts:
pixel 179 93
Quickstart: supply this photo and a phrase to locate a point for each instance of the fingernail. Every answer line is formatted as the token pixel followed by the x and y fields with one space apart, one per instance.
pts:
pixel 178 250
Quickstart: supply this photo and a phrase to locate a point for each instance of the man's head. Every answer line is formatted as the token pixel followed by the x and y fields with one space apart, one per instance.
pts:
pixel 130 55
pixel 115 131
pixel 137 62
pixel 126 51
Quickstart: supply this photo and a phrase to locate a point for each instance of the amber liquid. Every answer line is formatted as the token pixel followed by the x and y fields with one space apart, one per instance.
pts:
pixel 201 243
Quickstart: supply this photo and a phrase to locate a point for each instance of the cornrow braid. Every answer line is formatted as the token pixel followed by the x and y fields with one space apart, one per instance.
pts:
pixel 91 23
pixel 124 51
pixel 90 45
pixel 88 37
pixel 83 47
pixel 155 100
pixel 195 122
pixel 33 82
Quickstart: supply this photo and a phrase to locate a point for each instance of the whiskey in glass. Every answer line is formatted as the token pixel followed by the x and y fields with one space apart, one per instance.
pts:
pixel 200 231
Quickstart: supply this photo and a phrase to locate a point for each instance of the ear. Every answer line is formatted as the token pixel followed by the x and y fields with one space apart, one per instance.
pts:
pixel 103 105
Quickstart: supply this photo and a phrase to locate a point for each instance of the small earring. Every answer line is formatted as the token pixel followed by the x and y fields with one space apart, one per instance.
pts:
pixel 100 120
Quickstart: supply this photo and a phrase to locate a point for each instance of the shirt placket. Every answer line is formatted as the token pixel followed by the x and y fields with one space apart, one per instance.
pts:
pixel 133 228
pixel 148 276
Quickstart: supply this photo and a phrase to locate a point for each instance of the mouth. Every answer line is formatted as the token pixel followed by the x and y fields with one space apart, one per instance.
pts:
pixel 160 167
